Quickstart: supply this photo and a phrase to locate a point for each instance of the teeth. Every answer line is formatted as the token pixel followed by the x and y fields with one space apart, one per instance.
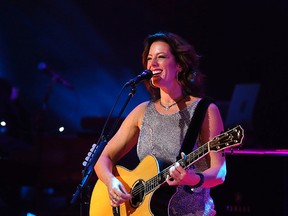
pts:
pixel 156 72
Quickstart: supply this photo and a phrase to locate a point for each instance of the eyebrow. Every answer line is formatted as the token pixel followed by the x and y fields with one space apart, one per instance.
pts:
pixel 159 53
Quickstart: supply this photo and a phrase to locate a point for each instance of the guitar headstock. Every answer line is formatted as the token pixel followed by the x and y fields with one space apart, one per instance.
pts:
pixel 228 139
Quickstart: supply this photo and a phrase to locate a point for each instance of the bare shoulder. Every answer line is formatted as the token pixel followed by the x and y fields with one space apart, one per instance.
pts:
pixel 142 106
pixel 213 114
pixel 140 109
pixel 213 123
pixel 213 108
pixel 137 114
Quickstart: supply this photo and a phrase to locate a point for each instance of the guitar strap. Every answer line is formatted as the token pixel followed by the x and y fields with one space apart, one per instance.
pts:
pixel 195 126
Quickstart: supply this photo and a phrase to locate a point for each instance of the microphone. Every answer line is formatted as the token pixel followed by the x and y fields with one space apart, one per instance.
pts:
pixel 55 77
pixel 145 75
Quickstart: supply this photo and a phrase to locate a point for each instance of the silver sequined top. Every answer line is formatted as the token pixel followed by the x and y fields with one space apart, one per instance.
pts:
pixel 161 135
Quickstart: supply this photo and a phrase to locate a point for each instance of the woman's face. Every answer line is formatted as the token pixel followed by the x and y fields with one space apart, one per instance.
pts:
pixel 162 63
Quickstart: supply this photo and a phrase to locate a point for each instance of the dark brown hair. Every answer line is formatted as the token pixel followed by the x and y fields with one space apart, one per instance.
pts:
pixel 191 79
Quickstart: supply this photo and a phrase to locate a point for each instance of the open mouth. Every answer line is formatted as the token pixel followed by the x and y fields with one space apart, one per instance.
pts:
pixel 156 72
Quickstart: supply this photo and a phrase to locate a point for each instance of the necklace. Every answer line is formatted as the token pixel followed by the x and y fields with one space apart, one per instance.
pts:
pixel 169 106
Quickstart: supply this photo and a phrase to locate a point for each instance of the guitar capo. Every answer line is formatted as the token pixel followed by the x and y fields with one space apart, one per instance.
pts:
pixel 184 160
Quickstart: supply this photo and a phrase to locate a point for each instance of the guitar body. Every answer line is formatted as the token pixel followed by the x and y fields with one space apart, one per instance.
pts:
pixel 146 181
pixel 100 201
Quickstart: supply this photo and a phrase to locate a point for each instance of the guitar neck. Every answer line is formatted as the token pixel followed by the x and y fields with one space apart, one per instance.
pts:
pixel 140 187
pixel 191 158
pixel 228 139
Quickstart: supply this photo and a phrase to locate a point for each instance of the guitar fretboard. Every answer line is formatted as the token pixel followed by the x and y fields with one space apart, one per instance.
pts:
pixel 191 158
pixel 228 139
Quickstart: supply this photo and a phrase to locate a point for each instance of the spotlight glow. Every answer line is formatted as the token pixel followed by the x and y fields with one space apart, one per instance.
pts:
pixel 61 129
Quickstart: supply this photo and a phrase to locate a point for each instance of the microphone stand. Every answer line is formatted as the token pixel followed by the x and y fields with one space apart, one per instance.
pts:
pixel 84 205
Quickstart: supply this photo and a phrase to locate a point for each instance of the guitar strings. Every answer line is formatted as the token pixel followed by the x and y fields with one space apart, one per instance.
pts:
pixel 152 183
pixel 163 174
pixel 192 157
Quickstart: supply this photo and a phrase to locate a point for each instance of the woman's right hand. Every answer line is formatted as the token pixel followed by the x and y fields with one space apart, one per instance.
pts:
pixel 117 192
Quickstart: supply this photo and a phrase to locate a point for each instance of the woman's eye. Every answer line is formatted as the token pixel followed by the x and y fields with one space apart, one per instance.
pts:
pixel 159 57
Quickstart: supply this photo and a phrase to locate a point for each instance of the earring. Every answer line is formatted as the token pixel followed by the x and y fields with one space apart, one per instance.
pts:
pixel 178 77
pixel 193 79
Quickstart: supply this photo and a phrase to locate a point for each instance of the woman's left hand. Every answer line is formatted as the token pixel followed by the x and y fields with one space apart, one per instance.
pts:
pixel 177 175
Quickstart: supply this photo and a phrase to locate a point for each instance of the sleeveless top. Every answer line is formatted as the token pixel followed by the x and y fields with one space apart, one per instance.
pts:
pixel 161 135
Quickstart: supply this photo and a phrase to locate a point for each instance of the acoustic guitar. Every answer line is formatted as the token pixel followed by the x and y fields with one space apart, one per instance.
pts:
pixel 146 178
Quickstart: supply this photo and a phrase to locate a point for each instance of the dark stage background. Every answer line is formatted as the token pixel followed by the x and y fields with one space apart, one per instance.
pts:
pixel 95 47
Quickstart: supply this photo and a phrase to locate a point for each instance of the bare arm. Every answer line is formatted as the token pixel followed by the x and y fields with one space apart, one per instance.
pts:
pixel 215 174
pixel 119 145
pixel 213 126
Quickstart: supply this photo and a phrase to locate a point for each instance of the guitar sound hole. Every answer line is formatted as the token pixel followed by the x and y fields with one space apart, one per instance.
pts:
pixel 137 193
